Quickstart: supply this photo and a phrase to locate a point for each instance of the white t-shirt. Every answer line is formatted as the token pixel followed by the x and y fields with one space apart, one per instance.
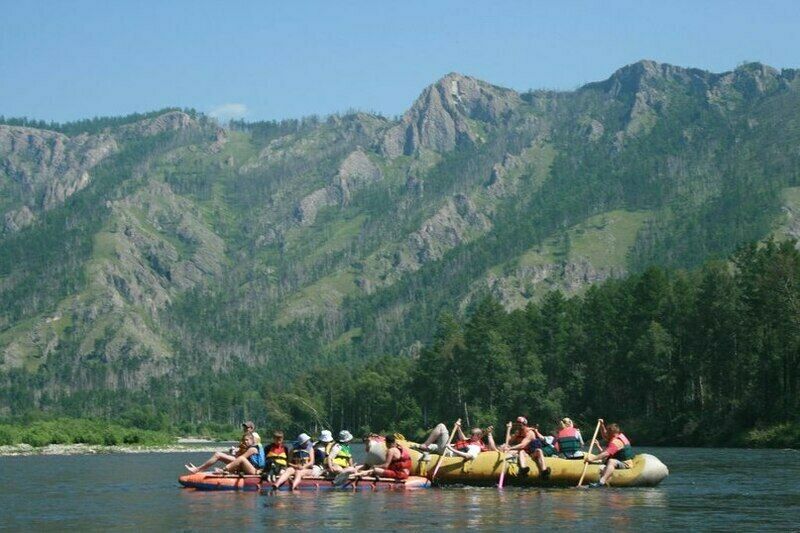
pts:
pixel 335 450
pixel 472 450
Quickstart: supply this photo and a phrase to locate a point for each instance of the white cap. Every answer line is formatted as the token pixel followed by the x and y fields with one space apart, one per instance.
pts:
pixel 325 436
pixel 303 438
pixel 345 436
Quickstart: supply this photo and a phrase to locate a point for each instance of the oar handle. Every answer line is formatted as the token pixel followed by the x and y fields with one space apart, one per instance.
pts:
pixel 589 452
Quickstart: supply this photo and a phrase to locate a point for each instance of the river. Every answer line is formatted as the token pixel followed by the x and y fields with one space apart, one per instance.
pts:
pixel 708 489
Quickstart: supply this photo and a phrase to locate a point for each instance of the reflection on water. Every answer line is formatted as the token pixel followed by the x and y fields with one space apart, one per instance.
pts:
pixel 707 489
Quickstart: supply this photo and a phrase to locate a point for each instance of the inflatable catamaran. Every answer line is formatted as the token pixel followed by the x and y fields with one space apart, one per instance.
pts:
pixel 646 471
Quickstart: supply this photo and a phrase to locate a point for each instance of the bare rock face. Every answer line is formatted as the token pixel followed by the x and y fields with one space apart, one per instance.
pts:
pixel 306 211
pixel 448 228
pixel 220 139
pixel 46 167
pixel 457 222
pixel 17 219
pixel 439 119
pixel 174 120
pixel 355 172
pixel 518 287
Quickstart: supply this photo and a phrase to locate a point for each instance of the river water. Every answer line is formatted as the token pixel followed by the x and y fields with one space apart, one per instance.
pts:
pixel 708 489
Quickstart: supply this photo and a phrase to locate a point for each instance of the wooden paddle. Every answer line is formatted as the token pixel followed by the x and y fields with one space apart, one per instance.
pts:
pixel 589 452
pixel 505 458
pixel 441 457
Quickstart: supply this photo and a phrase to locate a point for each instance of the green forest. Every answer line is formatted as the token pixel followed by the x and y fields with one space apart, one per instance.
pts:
pixel 678 357
pixel 709 356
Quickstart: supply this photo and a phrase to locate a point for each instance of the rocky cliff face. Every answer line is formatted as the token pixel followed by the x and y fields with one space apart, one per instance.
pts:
pixel 440 118
pixel 43 168
pixel 355 172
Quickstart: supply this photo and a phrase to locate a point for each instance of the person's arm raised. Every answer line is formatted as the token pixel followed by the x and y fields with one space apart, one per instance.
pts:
pixel 460 432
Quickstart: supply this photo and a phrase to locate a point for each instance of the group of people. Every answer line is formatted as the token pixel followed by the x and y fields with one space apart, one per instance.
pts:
pixel 329 457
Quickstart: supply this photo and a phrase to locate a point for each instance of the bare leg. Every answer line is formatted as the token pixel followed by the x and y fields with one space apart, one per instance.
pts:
pixel 611 465
pixel 298 476
pixel 522 459
pixel 438 436
pixel 284 477
pixel 217 457
pixel 378 472
pixel 241 464
pixel 538 455
pixel 338 469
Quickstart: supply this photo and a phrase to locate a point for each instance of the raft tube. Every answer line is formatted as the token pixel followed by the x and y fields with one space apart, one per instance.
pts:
pixel 646 471
pixel 207 481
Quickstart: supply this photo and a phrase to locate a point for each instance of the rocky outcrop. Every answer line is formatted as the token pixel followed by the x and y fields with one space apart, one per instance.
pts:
pixel 457 222
pixel 220 140
pixel 514 289
pixel 45 168
pixel 172 121
pixel 17 219
pixel 355 172
pixel 440 118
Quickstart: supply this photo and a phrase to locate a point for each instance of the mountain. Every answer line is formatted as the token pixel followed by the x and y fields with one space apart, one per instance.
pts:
pixel 141 254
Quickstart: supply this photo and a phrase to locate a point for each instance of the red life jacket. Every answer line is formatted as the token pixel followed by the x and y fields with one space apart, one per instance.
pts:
pixel 624 451
pixel 567 439
pixel 398 464
pixel 462 445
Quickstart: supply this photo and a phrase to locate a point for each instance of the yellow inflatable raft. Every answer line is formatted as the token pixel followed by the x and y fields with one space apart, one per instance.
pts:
pixel 646 471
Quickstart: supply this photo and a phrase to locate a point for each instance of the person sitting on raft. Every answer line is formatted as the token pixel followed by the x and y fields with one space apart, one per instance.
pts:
pixel 469 448
pixel 528 439
pixel 302 463
pixel 397 464
pixel 569 440
pixel 618 452
pixel 248 429
pixel 249 462
pixel 340 457
pixel 277 455
pixel 321 451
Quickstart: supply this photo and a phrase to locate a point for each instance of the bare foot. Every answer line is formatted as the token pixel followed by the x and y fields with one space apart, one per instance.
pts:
pixel 191 468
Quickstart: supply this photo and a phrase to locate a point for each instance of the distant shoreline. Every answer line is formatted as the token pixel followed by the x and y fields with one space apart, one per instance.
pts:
pixel 181 446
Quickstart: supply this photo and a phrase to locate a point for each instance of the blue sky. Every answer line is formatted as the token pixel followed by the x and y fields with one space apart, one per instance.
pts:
pixel 65 60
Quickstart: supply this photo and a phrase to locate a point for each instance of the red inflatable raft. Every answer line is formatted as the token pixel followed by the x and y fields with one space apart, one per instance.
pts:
pixel 209 481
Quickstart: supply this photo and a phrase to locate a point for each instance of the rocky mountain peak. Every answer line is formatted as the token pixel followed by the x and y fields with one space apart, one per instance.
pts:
pixel 170 121
pixel 646 74
pixel 439 118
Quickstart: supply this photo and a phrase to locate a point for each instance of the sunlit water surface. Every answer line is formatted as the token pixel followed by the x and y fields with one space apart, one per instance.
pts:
pixel 708 489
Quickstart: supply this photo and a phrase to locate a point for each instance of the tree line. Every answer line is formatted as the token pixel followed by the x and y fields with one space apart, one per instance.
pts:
pixel 685 357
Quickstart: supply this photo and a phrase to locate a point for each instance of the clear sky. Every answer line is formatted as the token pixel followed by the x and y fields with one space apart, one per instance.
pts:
pixel 69 59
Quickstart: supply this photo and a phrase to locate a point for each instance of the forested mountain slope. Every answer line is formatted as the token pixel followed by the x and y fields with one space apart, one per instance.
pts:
pixel 139 256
